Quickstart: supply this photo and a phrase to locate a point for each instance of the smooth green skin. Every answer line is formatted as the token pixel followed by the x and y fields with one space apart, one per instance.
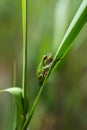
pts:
pixel 44 67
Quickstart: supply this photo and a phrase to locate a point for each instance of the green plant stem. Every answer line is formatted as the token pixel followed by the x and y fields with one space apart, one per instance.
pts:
pixel 24 77
pixel 30 113
pixel 72 32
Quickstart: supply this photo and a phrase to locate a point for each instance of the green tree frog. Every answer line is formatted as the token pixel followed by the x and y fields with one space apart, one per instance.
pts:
pixel 43 67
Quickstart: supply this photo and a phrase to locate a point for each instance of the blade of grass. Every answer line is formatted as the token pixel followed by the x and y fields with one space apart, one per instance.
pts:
pixel 17 124
pixel 16 92
pixel 24 28
pixel 72 32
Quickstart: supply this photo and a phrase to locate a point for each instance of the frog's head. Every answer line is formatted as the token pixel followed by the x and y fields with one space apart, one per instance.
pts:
pixel 47 59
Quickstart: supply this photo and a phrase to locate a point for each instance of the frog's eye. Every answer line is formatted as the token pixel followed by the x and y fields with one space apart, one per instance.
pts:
pixel 44 59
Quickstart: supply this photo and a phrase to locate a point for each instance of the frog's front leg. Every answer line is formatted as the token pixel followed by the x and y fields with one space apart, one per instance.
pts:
pixel 42 75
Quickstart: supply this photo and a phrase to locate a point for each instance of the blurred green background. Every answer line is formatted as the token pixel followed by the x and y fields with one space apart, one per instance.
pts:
pixel 63 103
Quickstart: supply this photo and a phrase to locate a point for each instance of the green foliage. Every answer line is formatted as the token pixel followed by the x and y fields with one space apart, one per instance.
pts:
pixel 73 30
pixel 41 31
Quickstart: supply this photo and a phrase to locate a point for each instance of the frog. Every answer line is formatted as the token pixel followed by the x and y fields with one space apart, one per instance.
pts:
pixel 44 67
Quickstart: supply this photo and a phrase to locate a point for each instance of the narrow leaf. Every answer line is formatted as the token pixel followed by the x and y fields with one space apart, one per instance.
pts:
pixel 16 93
pixel 76 25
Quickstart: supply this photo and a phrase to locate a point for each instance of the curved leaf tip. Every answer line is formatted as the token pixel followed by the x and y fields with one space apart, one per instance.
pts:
pixel 16 93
